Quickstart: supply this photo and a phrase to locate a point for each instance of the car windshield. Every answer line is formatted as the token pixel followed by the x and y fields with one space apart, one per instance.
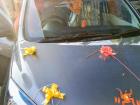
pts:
pixel 66 19
pixel 100 16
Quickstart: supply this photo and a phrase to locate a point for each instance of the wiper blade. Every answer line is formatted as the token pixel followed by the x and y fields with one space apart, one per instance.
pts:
pixel 86 36
pixel 76 37
pixel 129 33
pixel 126 34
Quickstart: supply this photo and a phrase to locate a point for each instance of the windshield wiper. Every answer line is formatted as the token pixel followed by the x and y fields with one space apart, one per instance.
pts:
pixel 129 33
pixel 91 36
pixel 75 37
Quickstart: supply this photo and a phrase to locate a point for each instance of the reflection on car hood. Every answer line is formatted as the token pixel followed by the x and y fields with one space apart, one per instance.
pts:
pixel 85 80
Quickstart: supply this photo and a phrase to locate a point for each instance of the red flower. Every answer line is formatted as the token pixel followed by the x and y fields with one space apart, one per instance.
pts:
pixel 84 23
pixel 106 51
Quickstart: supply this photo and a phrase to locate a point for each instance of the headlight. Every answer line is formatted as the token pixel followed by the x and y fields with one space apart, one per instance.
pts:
pixel 17 96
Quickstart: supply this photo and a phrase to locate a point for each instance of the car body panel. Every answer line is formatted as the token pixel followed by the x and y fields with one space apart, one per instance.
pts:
pixel 85 80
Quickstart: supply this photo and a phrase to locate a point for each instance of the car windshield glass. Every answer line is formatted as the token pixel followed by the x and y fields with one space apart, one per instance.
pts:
pixel 72 17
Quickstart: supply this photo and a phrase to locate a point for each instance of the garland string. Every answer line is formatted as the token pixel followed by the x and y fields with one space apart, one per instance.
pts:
pixel 126 68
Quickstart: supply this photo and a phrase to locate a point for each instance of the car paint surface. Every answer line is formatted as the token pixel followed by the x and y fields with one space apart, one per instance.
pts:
pixel 85 80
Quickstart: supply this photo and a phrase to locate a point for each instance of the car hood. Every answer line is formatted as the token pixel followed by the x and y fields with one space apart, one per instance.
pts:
pixel 81 74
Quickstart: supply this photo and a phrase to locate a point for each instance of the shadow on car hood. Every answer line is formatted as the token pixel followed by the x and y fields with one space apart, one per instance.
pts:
pixel 85 80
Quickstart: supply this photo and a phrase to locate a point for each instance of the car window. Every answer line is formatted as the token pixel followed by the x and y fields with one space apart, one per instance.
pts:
pixel 58 14
pixel 127 16
pixel 63 17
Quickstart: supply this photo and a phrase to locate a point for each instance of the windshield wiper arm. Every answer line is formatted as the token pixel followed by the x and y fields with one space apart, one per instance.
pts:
pixel 76 37
pixel 129 33
pixel 86 36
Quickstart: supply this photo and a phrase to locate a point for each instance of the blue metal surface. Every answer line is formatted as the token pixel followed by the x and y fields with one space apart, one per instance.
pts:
pixel 84 80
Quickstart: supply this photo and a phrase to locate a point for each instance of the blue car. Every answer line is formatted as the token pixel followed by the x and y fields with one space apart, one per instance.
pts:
pixel 75 52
